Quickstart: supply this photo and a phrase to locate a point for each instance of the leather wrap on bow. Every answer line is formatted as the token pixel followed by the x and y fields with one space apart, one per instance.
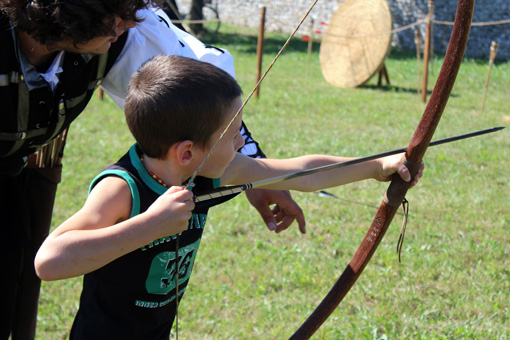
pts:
pixel 398 188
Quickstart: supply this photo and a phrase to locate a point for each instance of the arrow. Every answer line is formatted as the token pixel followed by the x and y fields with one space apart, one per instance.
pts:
pixel 235 189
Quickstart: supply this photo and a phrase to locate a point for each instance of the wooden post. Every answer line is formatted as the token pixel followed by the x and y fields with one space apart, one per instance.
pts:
pixel 260 48
pixel 417 42
pixel 310 43
pixel 431 43
pixel 494 51
pixel 175 11
pixel 100 93
pixel 197 16
pixel 426 51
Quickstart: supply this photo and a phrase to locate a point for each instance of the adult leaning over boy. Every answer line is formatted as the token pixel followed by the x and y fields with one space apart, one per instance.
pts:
pixel 54 55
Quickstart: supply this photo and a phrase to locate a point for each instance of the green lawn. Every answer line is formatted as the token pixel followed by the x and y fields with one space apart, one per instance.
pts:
pixel 249 283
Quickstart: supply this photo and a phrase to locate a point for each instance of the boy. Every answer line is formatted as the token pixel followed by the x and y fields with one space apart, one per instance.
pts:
pixel 126 236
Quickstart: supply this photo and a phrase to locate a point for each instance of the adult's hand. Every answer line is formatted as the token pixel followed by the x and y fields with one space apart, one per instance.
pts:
pixel 284 212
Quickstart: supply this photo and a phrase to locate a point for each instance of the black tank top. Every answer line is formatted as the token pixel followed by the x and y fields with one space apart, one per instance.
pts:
pixel 134 296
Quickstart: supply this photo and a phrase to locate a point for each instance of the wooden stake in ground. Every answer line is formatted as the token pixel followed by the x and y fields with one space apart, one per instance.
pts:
pixel 260 47
pixel 426 51
pixel 179 16
pixel 431 10
pixel 310 43
pixel 417 42
pixel 494 51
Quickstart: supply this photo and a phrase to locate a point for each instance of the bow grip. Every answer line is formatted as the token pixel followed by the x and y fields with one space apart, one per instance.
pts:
pixel 397 190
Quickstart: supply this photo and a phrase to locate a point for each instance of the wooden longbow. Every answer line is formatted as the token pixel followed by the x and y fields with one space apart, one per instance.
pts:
pixel 397 190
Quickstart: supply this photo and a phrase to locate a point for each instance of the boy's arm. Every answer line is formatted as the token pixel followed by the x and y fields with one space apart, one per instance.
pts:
pixel 245 170
pixel 101 231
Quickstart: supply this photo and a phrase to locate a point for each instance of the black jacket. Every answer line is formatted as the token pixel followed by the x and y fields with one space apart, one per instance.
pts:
pixel 31 113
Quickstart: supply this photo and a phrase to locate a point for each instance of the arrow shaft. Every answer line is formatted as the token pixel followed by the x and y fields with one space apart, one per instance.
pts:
pixel 230 190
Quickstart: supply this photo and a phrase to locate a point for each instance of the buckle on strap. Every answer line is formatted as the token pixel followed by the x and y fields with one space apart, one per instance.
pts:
pixel 22 135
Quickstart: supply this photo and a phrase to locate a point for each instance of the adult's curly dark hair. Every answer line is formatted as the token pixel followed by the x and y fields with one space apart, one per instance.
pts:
pixel 51 21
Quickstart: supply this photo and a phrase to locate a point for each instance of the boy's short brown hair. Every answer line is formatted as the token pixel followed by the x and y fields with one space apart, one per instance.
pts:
pixel 172 99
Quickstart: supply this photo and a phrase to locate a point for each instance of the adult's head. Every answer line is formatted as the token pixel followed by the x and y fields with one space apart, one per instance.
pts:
pixel 51 22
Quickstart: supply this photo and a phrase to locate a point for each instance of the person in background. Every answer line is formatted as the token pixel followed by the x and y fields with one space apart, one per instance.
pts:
pixel 54 55
pixel 172 10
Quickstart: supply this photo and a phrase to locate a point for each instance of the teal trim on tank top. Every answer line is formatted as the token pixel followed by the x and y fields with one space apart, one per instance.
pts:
pixel 216 183
pixel 144 174
pixel 147 178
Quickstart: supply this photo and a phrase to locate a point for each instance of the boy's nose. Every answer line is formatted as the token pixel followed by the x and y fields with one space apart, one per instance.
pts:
pixel 241 141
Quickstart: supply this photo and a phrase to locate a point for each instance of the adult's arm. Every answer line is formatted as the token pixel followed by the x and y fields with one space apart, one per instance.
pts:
pixel 276 207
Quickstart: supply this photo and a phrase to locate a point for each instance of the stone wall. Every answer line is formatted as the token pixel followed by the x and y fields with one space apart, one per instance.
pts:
pixel 284 15
pixel 406 12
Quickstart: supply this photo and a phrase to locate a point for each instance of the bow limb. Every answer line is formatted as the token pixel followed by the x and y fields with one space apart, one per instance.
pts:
pixel 398 188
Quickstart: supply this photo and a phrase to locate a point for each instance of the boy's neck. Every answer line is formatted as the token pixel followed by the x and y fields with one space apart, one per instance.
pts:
pixel 167 172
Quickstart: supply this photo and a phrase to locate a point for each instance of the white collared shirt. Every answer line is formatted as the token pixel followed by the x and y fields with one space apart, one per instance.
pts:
pixel 151 37
pixel 51 74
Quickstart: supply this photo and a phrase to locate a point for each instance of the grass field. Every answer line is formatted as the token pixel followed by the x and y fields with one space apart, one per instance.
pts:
pixel 249 283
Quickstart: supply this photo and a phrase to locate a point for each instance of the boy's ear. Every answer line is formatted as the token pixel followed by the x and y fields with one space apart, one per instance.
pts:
pixel 183 152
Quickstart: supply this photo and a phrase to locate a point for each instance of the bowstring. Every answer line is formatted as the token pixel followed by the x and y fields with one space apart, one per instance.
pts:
pixel 190 183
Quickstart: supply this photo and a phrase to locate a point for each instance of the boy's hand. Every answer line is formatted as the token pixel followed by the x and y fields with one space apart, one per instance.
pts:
pixel 172 210
pixel 395 164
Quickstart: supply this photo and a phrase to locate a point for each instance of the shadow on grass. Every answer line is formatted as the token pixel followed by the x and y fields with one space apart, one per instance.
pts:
pixel 392 88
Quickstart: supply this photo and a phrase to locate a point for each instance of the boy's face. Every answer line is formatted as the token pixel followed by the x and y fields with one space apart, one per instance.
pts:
pixel 227 148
